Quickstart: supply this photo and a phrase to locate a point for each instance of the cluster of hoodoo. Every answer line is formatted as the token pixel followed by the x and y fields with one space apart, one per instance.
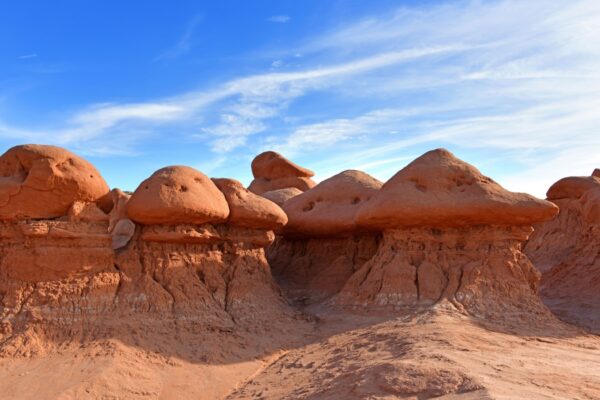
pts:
pixel 438 229
pixel 78 260
pixel 273 172
pixel 322 246
pixel 567 250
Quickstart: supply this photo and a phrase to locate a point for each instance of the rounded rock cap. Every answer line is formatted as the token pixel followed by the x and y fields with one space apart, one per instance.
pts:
pixel 440 190
pixel 248 209
pixel 572 187
pixel 40 181
pixel 280 196
pixel 272 165
pixel 177 195
pixel 329 208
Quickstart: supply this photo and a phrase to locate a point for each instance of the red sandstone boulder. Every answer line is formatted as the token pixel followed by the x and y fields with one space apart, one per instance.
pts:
pixel 572 187
pixel 439 190
pixel 248 209
pixel 596 173
pixel 38 181
pixel 177 194
pixel 272 171
pixel 280 196
pixel 329 208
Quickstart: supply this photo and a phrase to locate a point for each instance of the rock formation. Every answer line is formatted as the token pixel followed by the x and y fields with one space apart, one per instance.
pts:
pixel 448 233
pixel 322 246
pixel 38 181
pixel 280 196
pixel 182 272
pixel 567 251
pixel 272 171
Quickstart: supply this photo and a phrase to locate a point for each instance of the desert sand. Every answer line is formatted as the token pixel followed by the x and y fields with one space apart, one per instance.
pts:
pixel 438 283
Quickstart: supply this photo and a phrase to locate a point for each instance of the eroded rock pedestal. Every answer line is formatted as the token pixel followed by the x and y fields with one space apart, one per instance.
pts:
pixel 149 281
pixel 321 246
pixel 567 251
pixel 480 269
pixel 448 233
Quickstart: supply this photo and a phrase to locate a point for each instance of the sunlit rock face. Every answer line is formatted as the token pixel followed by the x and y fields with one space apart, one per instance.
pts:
pixel 92 274
pixel 272 171
pixel 567 251
pixel 448 232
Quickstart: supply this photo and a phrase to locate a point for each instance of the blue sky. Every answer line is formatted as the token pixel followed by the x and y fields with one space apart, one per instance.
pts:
pixel 511 86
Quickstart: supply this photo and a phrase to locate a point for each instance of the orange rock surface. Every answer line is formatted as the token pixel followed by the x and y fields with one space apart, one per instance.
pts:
pixel 272 171
pixel 38 181
pixel 177 194
pixel 248 209
pixel 329 208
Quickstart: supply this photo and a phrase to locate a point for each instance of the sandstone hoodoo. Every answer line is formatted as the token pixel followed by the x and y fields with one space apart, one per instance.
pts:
pixel 272 171
pixel 38 181
pixel 93 275
pixel 448 233
pixel 567 251
pixel 322 245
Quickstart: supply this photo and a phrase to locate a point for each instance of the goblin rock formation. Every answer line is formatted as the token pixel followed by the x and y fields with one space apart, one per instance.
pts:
pixel 567 251
pixel 322 246
pixel 448 233
pixel 181 272
pixel 272 171
pixel 280 196
pixel 39 181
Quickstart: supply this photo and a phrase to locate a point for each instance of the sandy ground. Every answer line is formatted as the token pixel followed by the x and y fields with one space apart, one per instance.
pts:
pixel 405 354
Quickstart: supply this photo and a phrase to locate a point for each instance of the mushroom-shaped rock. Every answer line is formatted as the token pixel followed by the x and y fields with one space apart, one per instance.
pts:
pixel 38 181
pixel 329 208
pixel 272 171
pixel 248 209
pixel 439 190
pixel 596 173
pixel 572 187
pixel 273 165
pixel 177 194
pixel 280 196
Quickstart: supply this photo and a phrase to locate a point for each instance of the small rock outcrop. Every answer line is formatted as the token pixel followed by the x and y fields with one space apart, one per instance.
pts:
pixel 38 181
pixel 272 171
pixel 322 246
pixel 448 233
pixel 567 251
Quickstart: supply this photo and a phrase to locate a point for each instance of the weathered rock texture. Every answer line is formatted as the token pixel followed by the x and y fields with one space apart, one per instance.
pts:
pixel 280 196
pixel 330 207
pixel 567 251
pixel 62 280
pixel 272 171
pixel 248 209
pixel 448 233
pixel 38 181
pixel 322 246
pixel 177 194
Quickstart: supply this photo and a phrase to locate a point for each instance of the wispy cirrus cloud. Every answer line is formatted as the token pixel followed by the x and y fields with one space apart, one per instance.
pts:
pixel 519 78
pixel 281 19
pixel 27 56
pixel 185 42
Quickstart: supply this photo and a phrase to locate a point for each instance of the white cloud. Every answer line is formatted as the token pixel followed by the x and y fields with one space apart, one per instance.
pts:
pixel 184 44
pixel 27 56
pixel 282 19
